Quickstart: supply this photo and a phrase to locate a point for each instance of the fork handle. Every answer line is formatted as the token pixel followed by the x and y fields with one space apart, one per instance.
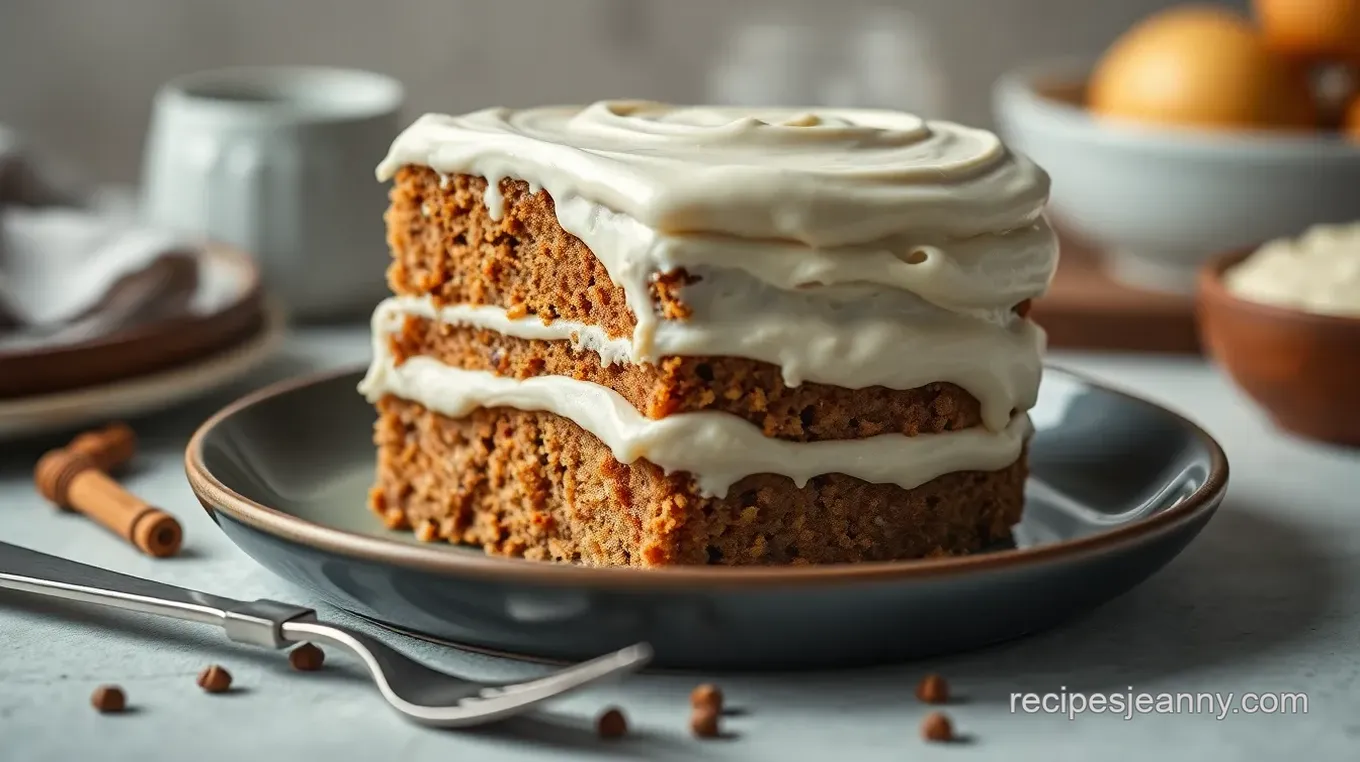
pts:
pixel 258 622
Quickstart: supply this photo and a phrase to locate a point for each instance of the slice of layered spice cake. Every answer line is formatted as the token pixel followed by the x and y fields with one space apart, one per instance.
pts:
pixel 635 334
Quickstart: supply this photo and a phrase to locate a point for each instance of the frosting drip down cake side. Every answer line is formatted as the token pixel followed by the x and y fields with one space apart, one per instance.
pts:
pixel 635 334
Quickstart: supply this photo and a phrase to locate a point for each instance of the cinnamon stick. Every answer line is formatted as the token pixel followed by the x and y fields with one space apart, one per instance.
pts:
pixel 73 479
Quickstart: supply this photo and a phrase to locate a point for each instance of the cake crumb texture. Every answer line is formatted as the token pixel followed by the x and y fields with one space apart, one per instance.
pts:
pixel 445 244
pixel 537 486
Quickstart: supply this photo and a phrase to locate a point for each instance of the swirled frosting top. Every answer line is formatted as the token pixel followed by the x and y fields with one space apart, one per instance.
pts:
pixel 830 177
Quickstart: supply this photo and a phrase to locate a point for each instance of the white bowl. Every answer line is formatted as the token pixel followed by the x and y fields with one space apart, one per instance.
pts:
pixel 1160 201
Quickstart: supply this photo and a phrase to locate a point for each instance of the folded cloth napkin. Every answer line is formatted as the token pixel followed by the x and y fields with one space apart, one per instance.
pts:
pixel 70 271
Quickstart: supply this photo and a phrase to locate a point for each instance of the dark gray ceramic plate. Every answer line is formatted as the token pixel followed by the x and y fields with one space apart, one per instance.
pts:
pixel 1119 487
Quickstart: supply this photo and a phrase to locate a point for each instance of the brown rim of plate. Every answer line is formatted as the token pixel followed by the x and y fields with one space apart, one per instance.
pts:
pixel 143 349
pixel 1212 290
pixel 285 526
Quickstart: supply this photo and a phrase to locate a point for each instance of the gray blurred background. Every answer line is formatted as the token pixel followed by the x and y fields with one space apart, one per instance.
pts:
pixel 78 75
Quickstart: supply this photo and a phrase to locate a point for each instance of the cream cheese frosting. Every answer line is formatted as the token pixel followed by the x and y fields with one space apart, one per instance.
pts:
pixel 1318 272
pixel 716 449
pixel 833 177
pixel 976 277
pixel 961 274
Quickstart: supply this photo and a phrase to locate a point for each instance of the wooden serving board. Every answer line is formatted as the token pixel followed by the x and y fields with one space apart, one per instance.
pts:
pixel 1086 309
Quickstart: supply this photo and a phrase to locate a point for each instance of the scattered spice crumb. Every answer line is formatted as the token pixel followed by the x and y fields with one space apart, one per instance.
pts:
pixel 706 696
pixel 214 679
pixel 933 690
pixel 937 727
pixel 612 723
pixel 108 699
pixel 704 722
pixel 306 658
pixel 428 531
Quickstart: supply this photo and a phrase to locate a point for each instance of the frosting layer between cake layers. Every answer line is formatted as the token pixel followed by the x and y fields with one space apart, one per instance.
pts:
pixel 717 449
pixel 854 248
pixel 854 344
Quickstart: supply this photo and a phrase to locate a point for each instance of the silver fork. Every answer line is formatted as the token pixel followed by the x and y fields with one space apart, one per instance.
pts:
pixel 422 694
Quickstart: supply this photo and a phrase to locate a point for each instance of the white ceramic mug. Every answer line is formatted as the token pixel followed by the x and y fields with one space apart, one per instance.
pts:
pixel 279 161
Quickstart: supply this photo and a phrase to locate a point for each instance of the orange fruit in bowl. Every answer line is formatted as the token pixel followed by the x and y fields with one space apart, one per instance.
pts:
pixel 1200 66
pixel 1312 30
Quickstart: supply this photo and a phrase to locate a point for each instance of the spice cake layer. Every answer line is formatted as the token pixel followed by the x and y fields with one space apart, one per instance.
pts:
pixel 534 485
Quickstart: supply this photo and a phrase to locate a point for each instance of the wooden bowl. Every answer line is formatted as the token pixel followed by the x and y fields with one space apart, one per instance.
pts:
pixel 1302 368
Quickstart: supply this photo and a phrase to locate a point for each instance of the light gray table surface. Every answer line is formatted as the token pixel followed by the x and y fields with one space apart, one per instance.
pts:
pixel 1266 600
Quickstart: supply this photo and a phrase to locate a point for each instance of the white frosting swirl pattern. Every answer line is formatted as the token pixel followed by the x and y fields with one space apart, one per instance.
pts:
pixel 830 178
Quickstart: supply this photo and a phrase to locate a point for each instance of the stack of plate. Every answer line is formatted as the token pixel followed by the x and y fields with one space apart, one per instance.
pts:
pixel 146 366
